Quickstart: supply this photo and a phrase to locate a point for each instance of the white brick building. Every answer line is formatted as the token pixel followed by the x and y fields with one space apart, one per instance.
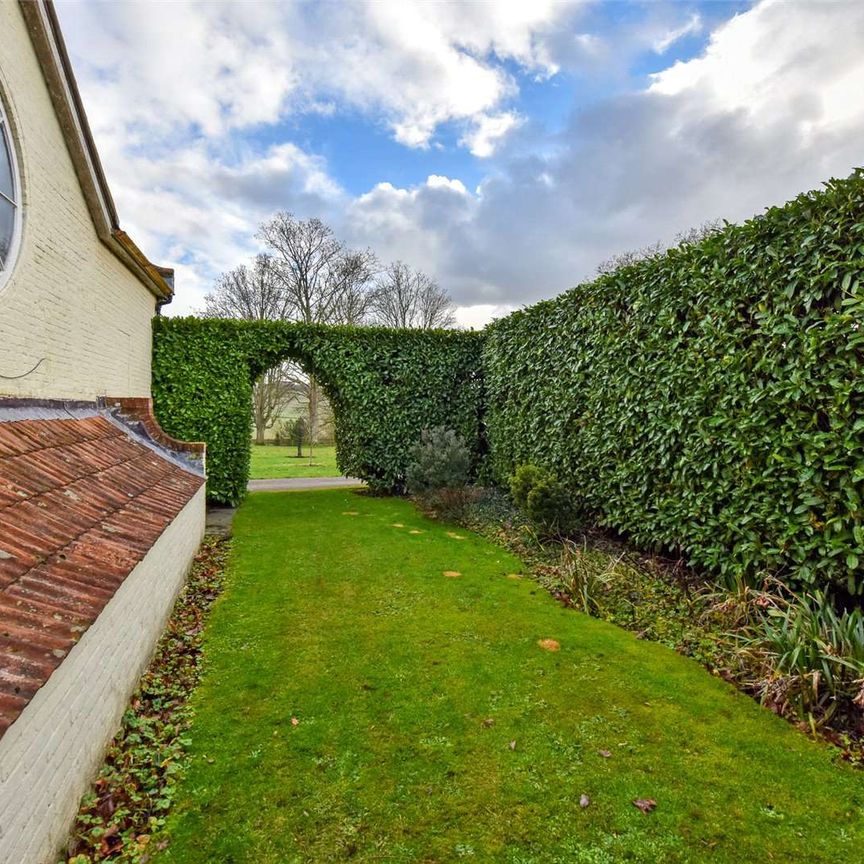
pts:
pixel 100 512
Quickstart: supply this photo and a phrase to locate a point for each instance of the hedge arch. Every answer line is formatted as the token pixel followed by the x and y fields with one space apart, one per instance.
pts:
pixel 385 386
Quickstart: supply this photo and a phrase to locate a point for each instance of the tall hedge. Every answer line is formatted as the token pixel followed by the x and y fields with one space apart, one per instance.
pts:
pixel 710 400
pixel 385 386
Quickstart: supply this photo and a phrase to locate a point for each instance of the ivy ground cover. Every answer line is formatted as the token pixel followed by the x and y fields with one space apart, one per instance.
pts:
pixel 378 688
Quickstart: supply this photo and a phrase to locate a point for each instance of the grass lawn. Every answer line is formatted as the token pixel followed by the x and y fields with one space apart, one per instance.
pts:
pixel 360 705
pixel 268 460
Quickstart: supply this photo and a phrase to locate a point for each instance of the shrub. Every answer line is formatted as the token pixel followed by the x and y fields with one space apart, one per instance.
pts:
pixel 707 400
pixel 440 460
pixel 524 479
pixel 544 500
pixel 438 472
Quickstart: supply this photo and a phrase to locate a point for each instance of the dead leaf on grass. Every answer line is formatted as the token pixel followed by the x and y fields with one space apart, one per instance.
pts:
pixel 452 574
pixel 515 576
pixel 350 513
pixel 604 753
pixel 646 805
pixel 295 721
pixel 454 536
pixel 513 744
pixel 489 721
pixel 584 801
pixel 550 644
pixel 397 525
pixel 415 531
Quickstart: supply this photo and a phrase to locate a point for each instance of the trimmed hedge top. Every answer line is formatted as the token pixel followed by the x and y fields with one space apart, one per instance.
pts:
pixel 384 385
pixel 708 400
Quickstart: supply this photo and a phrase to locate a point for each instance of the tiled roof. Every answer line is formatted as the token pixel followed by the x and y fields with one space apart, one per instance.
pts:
pixel 81 503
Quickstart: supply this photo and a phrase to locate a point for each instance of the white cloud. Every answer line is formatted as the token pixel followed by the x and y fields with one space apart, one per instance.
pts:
pixel 483 139
pixel 478 316
pixel 779 62
pixel 767 112
pixel 220 66
pixel 771 108
pixel 663 43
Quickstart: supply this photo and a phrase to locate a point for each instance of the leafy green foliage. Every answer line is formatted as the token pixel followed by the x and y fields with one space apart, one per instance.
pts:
pixel 135 788
pixel 385 386
pixel 708 400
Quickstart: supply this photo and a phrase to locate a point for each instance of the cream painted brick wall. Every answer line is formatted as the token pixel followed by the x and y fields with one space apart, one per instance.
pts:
pixel 52 751
pixel 69 299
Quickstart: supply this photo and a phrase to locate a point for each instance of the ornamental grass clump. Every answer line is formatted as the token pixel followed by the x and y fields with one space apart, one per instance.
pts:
pixel 811 660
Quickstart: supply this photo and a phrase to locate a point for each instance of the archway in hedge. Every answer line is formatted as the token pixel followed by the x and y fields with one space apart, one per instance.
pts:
pixel 384 386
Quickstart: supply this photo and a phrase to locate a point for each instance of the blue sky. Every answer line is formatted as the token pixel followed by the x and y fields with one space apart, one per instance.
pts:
pixel 506 148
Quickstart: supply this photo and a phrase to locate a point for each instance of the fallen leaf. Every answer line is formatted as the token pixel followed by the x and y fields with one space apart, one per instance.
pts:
pixel 295 721
pixel 646 805
pixel 415 531
pixel 513 744
pixel 489 721
pixel 350 513
pixel 452 574
pixel 550 644
pixel 454 536
pixel 397 525
pixel 514 576
pixel 584 801
pixel 604 753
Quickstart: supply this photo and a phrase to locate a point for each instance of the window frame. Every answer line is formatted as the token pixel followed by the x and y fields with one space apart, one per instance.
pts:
pixel 7 132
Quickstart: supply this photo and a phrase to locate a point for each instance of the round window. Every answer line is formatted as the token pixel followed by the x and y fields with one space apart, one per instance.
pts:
pixel 10 200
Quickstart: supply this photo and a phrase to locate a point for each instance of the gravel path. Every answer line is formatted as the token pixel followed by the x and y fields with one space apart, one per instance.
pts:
pixel 287 484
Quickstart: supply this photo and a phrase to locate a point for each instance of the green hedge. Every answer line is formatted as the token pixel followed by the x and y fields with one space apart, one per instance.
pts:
pixel 708 401
pixel 385 386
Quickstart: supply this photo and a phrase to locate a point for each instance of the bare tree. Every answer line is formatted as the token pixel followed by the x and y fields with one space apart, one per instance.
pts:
pixel 408 298
pixel 318 274
pixel 322 280
pixel 700 232
pixel 682 238
pixel 248 292
pixel 625 259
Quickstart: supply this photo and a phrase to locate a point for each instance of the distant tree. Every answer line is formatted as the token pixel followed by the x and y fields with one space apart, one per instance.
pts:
pixel 631 256
pixel 298 434
pixel 408 298
pixel 700 232
pixel 688 237
pixel 322 281
pixel 252 293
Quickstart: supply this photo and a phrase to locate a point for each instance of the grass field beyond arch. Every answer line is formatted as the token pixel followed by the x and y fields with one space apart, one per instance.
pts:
pixel 360 705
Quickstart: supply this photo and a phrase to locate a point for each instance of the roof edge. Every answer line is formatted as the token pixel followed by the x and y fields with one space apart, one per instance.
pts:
pixel 43 26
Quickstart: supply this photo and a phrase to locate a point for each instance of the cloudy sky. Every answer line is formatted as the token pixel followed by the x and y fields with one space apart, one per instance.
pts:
pixel 504 147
